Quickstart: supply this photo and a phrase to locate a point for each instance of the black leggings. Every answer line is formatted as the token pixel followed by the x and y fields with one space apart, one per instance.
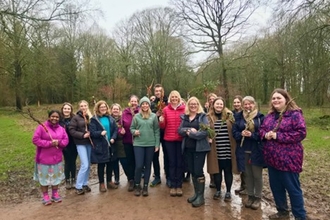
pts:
pixel 100 171
pixel 228 174
pixel 70 156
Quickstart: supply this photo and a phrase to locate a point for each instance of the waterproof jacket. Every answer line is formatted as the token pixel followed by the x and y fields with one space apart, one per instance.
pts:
pixel 46 153
pixel 252 144
pixel 149 131
pixel 71 147
pixel 212 157
pixel 172 122
pixel 126 121
pixel 77 129
pixel 201 136
pixel 102 151
pixel 286 152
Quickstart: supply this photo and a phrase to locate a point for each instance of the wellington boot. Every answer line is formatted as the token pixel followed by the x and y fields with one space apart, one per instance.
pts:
pixel 199 201
pixel 192 198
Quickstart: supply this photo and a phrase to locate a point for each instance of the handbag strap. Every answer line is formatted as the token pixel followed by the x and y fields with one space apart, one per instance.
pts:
pixel 106 135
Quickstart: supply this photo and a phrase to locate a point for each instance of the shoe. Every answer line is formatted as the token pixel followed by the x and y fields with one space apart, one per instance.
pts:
pixel 117 182
pixel 280 215
pixel 239 190
pixel 179 192
pixel 56 197
pixel 249 202
pixel 87 189
pixel 155 182
pixel 46 200
pixel 73 183
pixel 227 197
pixel 112 185
pixel 68 184
pixel 172 192
pixel 168 183
pixel 199 201
pixel 80 191
pixel 256 203
pixel 217 195
pixel 131 186
pixel 102 187
pixel 212 185
pixel 145 190
pixel 243 192
pixel 137 191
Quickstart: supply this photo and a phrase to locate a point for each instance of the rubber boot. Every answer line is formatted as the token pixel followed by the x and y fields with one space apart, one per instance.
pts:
pixel 199 201
pixel 191 199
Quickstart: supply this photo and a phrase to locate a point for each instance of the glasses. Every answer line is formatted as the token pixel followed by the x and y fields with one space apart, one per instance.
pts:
pixel 193 104
pixel 103 107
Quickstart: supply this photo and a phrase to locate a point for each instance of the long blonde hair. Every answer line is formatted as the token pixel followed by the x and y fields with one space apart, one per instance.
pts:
pixel 88 112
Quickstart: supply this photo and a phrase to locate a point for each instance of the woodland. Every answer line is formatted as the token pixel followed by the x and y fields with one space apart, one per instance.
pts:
pixel 55 51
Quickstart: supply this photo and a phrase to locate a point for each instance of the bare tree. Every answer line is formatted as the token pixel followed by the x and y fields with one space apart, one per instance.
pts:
pixel 212 23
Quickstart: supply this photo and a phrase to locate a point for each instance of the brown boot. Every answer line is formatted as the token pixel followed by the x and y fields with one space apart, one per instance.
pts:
pixel 179 192
pixel 112 185
pixel 102 187
pixel 131 186
pixel 256 203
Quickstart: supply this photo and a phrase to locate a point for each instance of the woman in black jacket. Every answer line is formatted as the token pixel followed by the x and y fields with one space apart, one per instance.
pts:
pixel 104 130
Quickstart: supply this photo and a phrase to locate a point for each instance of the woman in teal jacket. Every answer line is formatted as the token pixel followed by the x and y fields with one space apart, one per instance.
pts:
pixel 145 131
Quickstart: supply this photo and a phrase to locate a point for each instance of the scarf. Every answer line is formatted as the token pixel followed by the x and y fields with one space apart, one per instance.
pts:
pixel 249 116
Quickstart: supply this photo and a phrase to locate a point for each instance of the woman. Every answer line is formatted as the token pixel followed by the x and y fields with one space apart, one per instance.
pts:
pixel 50 139
pixel 116 113
pixel 222 155
pixel 237 107
pixel 170 121
pixel 146 141
pixel 248 150
pixel 195 146
pixel 125 124
pixel 282 131
pixel 103 130
pixel 79 130
pixel 70 152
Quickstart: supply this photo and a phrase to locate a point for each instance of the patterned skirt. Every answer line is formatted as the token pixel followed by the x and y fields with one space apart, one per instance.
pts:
pixel 49 175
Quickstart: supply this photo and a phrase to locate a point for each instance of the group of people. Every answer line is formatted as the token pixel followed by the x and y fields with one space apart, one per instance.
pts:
pixel 239 141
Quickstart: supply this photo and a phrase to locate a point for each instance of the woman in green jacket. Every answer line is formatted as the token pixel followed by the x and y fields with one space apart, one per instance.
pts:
pixel 145 131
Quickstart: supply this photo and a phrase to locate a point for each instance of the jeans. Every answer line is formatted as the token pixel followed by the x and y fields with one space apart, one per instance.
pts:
pixel 195 161
pixel 282 182
pixel 176 163
pixel 84 152
pixel 143 159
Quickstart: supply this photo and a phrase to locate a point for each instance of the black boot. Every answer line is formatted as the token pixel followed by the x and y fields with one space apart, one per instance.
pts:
pixel 130 185
pixel 137 191
pixel 145 190
pixel 199 201
pixel 191 199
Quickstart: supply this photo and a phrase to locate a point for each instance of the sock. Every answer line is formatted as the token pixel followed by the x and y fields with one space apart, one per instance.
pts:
pixel 54 191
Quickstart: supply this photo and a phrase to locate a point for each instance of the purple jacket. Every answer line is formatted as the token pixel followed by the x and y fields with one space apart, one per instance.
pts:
pixel 46 153
pixel 125 122
pixel 286 152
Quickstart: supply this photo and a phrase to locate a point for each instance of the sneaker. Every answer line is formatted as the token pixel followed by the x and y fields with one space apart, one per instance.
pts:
pixel 87 189
pixel 102 187
pixel 227 197
pixel 80 191
pixel 217 195
pixel 112 185
pixel 179 192
pixel 280 215
pixel 46 200
pixel 56 197
pixel 155 182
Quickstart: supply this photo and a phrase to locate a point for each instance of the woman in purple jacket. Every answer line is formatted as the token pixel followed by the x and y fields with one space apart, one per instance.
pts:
pixel 282 130
pixel 50 138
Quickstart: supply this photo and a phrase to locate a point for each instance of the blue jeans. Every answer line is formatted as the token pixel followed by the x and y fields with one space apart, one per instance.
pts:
pixel 84 152
pixel 176 163
pixel 282 182
pixel 143 159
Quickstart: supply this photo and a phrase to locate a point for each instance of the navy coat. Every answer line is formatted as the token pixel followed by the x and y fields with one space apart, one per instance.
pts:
pixel 101 151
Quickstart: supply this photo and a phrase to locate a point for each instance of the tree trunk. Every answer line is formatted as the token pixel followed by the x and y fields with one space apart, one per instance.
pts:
pixel 18 79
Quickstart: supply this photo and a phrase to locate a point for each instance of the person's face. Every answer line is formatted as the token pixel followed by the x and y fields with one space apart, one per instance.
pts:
pixel 218 105
pixel 211 99
pixel 152 98
pixel 54 118
pixel 174 100
pixel 237 104
pixel 83 107
pixel 145 106
pixel 133 102
pixel 103 109
pixel 115 111
pixel 158 92
pixel 248 106
pixel 66 111
pixel 193 106
pixel 278 101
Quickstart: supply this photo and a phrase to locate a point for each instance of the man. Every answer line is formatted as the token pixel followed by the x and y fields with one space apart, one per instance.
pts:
pixel 156 107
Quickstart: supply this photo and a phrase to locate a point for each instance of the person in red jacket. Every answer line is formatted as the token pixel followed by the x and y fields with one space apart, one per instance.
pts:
pixel 170 122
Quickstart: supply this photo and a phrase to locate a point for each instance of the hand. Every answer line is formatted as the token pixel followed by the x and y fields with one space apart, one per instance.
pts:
pixel 210 140
pixel 103 133
pixel 272 135
pixel 55 143
pixel 156 149
pixel 161 118
pixel 112 141
pixel 193 130
pixel 86 135
pixel 122 131
pixel 137 133
pixel 159 113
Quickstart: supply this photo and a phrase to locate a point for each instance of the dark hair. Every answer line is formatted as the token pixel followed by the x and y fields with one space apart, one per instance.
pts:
pixel 54 111
pixel 69 104
pixel 240 98
pixel 291 106
pixel 158 85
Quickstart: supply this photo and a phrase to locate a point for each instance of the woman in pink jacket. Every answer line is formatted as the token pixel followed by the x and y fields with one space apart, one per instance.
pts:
pixel 50 138
pixel 170 121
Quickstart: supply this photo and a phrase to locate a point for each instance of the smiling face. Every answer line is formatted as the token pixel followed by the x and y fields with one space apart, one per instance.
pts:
pixel 103 109
pixel 133 102
pixel 54 118
pixel 211 99
pixel 248 106
pixel 174 100
pixel 145 106
pixel 193 106
pixel 278 101
pixel 83 106
pixel 158 92
pixel 66 111
pixel 218 106
pixel 237 104
pixel 115 111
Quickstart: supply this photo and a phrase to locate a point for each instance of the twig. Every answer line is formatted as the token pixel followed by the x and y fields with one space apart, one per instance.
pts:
pixel 245 129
